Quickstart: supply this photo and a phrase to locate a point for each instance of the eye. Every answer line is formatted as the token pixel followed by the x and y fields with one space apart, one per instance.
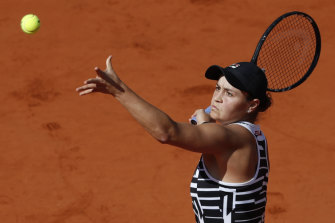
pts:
pixel 229 94
pixel 217 87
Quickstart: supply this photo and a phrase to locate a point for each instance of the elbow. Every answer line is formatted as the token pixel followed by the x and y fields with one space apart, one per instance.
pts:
pixel 166 136
pixel 163 138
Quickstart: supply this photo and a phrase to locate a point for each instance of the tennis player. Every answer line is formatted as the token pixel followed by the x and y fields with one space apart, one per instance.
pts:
pixel 230 181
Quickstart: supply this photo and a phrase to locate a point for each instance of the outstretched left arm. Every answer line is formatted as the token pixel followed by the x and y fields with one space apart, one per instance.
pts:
pixel 156 122
pixel 209 138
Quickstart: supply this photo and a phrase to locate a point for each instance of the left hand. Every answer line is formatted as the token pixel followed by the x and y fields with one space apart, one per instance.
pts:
pixel 106 82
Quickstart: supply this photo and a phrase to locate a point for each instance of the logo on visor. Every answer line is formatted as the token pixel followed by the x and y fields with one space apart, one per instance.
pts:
pixel 235 65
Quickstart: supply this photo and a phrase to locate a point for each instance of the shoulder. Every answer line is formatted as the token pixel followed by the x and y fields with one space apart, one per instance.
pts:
pixel 243 132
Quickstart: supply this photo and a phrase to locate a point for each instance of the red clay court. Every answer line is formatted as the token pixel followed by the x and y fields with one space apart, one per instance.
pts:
pixel 71 159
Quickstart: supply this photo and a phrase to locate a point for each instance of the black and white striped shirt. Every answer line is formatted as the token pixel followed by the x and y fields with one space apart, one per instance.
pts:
pixel 216 201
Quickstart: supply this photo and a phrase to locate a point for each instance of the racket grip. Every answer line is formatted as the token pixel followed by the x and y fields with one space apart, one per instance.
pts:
pixel 194 119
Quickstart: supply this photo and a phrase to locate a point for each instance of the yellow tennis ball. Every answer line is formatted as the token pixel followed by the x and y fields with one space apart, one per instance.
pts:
pixel 30 23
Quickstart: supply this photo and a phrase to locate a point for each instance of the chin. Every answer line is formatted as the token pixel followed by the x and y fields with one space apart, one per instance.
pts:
pixel 213 116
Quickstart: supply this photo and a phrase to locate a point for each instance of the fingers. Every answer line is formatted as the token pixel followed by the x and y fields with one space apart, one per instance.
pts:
pixel 109 74
pixel 105 81
pixel 109 64
pixel 108 79
pixel 193 115
pixel 196 114
pixel 91 85
pixel 86 91
pixel 103 75
pixel 198 111
pixel 85 87
pixel 96 80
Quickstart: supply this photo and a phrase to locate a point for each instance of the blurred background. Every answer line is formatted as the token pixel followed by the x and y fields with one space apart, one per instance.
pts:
pixel 71 159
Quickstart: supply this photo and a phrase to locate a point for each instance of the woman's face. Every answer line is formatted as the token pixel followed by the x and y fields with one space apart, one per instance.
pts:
pixel 229 104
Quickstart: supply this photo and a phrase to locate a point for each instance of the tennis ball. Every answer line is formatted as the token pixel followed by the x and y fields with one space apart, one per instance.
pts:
pixel 30 23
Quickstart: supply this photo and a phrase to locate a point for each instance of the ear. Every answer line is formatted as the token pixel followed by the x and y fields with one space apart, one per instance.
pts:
pixel 253 104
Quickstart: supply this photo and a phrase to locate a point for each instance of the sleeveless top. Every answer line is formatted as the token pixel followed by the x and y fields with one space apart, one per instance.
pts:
pixel 215 201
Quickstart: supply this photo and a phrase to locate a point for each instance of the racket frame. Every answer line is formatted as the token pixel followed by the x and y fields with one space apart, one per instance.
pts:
pixel 317 49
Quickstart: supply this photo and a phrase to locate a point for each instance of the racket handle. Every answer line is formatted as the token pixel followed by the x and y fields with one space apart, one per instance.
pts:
pixel 194 119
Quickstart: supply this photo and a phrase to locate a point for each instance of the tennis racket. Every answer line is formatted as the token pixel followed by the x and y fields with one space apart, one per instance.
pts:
pixel 288 51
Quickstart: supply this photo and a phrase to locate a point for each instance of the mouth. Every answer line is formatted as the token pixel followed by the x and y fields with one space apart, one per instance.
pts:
pixel 214 107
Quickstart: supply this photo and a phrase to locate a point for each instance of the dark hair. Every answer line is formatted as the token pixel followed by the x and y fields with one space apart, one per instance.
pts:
pixel 265 103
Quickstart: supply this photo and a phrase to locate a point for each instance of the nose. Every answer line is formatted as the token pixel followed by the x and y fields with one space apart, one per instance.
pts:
pixel 218 97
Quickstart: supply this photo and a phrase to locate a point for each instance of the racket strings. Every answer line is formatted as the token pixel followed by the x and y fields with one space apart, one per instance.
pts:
pixel 288 52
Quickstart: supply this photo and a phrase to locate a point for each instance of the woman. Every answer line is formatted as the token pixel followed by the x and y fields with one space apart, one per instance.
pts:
pixel 230 181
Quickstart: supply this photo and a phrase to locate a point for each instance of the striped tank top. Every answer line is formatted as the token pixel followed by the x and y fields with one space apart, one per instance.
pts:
pixel 215 201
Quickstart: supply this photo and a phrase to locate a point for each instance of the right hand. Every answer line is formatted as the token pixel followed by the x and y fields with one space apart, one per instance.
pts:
pixel 201 116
